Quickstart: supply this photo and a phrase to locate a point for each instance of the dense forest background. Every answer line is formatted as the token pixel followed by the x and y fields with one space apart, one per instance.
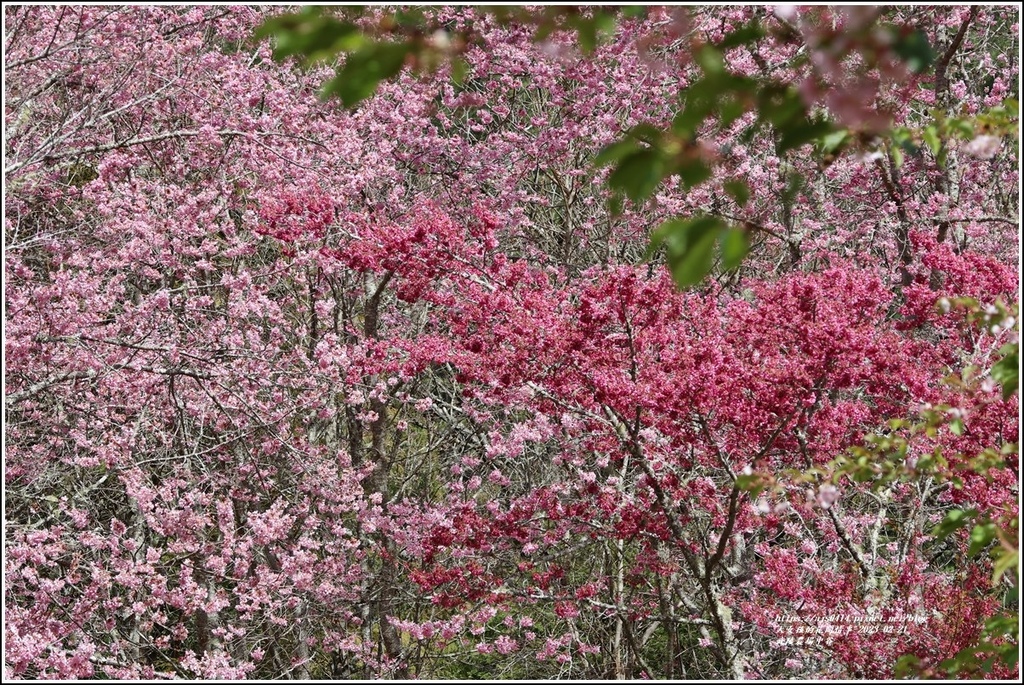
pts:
pixel 298 389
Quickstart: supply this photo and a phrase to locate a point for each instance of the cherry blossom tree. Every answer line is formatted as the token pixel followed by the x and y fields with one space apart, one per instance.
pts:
pixel 297 390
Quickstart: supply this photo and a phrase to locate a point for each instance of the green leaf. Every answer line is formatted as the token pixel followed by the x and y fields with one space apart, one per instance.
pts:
pixel 953 521
pixel 734 246
pixel 1005 561
pixel 780 105
pixel 605 22
pixel 738 190
pixel 590 30
pixel 956 426
pixel 638 174
pixel 913 47
pixel 409 17
pixel 731 108
pixel 690 246
pixel 365 69
pixel 981 536
pixel 749 33
pixel 703 97
pixel 794 185
pixel 648 133
pixel 690 266
pixel 710 60
pixel 963 127
pixel 615 206
pixel 746 481
pixel 748 134
pixel 802 132
pixel 460 70
pixel 1005 371
pixel 635 11
pixel 667 231
pixel 931 139
pixel 752 483
pixel 904 139
pixel 586 33
pixel 613 152
pixel 691 117
pixel 907 665
pixel 309 35
pixel 544 29
pixel 693 172
pixel 833 142
pixel 897 157
pixel 1004 624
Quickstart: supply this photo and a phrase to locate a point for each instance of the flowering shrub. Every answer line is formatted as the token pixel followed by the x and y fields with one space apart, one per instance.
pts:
pixel 300 391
